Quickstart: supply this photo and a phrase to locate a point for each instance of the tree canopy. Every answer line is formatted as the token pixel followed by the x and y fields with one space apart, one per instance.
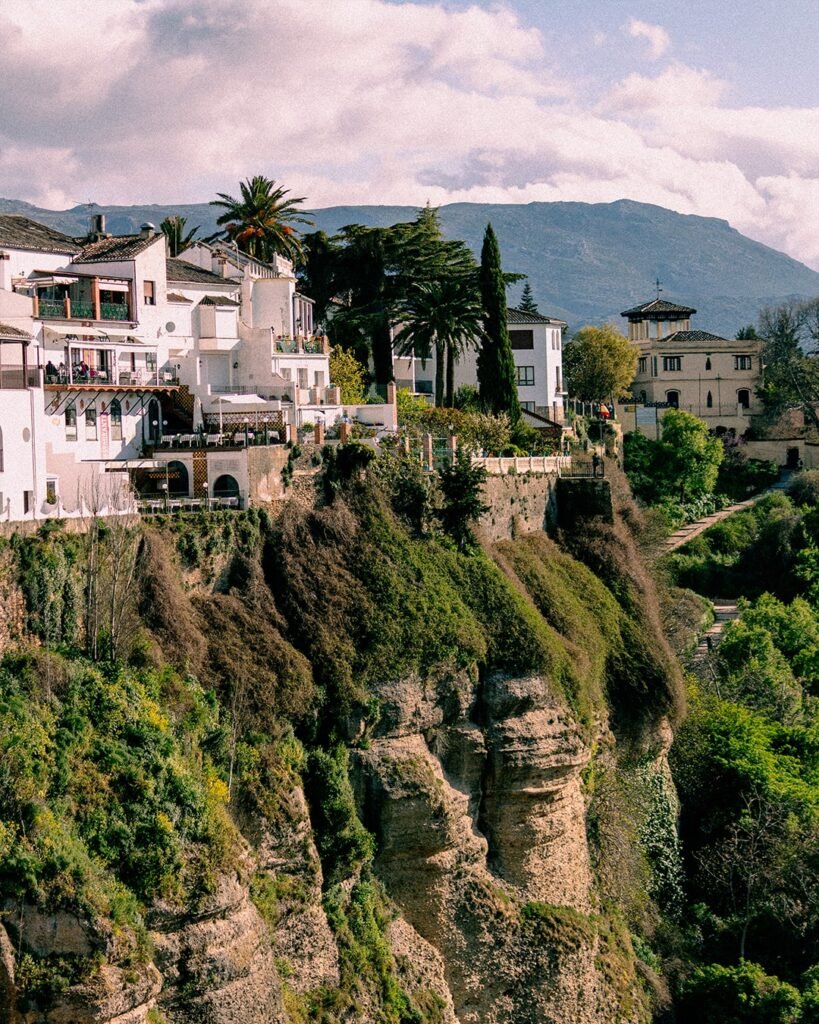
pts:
pixel 527 300
pixel 261 220
pixel 179 239
pixel 599 363
pixel 791 378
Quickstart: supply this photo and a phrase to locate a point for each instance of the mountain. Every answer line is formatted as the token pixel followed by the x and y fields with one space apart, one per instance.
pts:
pixel 585 262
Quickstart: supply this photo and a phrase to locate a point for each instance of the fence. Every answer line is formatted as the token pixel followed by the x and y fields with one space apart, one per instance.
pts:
pixel 499 466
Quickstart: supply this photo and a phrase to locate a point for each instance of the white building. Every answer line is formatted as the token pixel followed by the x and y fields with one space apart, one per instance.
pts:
pixel 110 348
pixel 537 347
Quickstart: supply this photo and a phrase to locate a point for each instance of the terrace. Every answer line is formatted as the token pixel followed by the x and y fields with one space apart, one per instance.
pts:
pixel 77 297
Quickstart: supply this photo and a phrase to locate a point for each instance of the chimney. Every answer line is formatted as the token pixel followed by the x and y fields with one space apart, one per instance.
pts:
pixel 97 230
pixel 147 230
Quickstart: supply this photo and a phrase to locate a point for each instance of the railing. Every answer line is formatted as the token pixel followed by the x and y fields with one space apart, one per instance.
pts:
pixel 504 465
pixel 289 345
pixel 46 309
pixel 82 310
pixel 113 311
pixel 314 345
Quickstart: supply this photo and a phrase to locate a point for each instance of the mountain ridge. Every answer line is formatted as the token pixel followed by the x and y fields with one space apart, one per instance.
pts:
pixel 585 261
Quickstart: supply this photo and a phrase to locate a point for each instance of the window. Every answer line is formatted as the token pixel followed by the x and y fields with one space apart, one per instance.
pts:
pixel 672 363
pixel 319 378
pixel 556 339
pixel 673 399
pixel 1 451
pixel 742 362
pixel 527 406
pixel 115 410
pixel 91 423
pixel 150 363
pixel 522 339
pixel 302 372
pixel 642 364
pixel 709 400
pixel 558 381
pixel 51 490
pixel 708 362
pixel 149 292
pixel 744 397
pixel 287 374
pixel 423 387
pixel 28 502
pixel 526 376
pixel 71 423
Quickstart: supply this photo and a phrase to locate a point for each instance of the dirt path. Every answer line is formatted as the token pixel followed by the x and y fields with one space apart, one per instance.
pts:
pixel 691 530
pixel 725 610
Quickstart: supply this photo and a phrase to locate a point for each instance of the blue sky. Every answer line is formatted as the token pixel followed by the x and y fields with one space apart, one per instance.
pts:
pixel 704 107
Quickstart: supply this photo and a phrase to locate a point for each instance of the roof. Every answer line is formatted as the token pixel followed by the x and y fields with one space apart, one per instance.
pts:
pixel 7 331
pixel 520 316
pixel 18 232
pixel 218 300
pixel 692 336
pixel 182 271
pixel 658 306
pixel 176 297
pixel 115 249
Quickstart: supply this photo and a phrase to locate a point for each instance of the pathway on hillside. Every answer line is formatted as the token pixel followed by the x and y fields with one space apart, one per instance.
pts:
pixel 691 530
pixel 725 610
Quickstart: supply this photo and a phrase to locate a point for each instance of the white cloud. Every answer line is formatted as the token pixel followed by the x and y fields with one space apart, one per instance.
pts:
pixel 367 101
pixel 659 41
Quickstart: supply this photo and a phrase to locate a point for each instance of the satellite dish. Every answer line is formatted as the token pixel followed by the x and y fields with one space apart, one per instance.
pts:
pixel 170 327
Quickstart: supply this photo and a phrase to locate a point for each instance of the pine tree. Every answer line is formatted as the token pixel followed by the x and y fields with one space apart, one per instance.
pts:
pixel 527 300
pixel 497 379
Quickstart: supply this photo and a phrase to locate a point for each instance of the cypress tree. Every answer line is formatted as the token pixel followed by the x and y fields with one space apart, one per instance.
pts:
pixel 497 378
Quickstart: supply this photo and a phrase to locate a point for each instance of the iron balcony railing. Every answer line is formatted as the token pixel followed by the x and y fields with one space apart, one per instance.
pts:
pixel 113 311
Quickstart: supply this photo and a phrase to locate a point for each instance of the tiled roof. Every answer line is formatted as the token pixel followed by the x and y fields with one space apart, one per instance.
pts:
pixel 18 232
pixel 116 249
pixel 692 336
pixel 520 316
pixel 658 306
pixel 218 300
pixel 7 331
pixel 182 271
pixel 176 297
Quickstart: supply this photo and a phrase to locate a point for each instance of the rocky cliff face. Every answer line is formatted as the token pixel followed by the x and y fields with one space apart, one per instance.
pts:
pixel 494 889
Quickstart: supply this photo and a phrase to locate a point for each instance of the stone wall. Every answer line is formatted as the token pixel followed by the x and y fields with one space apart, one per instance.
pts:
pixel 518 503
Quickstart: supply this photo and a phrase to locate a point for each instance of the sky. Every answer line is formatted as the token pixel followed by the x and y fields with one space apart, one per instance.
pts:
pixel 704 107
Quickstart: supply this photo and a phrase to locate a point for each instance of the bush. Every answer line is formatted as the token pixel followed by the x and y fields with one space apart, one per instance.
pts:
pixel 744 994
pixel 804 488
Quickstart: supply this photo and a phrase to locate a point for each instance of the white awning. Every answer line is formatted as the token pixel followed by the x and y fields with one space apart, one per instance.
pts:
pixel 239 399
pixel 64 331
pixel 120 465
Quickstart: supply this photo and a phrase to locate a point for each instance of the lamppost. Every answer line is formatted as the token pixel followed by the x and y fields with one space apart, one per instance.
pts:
pixel 266 421
pixel 247 422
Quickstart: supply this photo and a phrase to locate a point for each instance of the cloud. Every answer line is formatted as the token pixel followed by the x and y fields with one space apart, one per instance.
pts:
pixel 659 41
pixel 369 101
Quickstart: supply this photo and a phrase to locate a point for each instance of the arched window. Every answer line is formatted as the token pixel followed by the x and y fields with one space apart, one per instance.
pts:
pixel 226 487
pixel 744 398
pixel 673 399
pixel 708 362
pixel 709 400
pixel 115 411
pixel 154 424
pixel 1 449
pixel 178 478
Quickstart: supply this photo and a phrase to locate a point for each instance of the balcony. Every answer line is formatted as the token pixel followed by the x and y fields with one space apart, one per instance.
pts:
pixel 17 378
pixel 68 308
pixel 114 311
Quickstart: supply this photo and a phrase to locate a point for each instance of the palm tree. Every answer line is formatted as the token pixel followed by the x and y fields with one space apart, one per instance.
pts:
pixel 173 228
pixel 444 316
pixel 260 222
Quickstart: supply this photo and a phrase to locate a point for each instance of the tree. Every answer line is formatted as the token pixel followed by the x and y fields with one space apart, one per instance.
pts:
pixel 497 378
pixel 791 378
pixel 599 363
pixel 527 300
pixel 349 375
pixel 690 455
pixel 744 994
pixel 747 333
pixel 461 485
pixel 173 228
pixel 261 221
pixel 443 316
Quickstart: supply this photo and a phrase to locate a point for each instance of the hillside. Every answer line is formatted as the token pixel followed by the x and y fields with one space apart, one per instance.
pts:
pixel 586 262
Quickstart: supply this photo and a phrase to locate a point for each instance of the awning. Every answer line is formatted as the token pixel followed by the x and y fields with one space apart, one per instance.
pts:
pixel 75 332
pixel 120 465
pixel 239 399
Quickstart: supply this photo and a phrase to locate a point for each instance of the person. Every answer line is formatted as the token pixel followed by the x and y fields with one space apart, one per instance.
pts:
pixel 51 371
pixel 595 463
pixel 61 376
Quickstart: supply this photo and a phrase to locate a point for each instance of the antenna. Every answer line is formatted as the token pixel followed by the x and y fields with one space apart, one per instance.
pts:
pixel 659 289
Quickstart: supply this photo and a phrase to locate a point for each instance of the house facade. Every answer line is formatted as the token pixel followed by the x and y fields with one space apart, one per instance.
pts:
pixel 712 377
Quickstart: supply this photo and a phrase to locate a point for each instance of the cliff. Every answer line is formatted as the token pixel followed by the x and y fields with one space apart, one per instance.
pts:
pixel 322 768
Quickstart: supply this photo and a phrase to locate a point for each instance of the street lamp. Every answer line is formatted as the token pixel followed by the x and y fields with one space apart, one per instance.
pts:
pixel 266 421
pixel 247 422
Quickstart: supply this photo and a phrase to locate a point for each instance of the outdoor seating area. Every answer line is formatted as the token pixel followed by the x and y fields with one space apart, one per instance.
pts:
pixel 228 439
pixel 174 504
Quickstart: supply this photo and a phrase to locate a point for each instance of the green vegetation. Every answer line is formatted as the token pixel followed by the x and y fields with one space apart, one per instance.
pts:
pixel 261 220
pixel 348 374
pixel 599 364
